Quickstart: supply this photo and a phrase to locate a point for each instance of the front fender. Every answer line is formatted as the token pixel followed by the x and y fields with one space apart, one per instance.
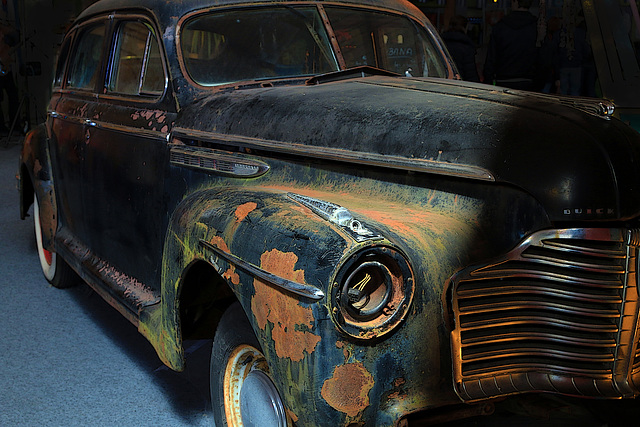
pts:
pixel 260 229
pixel 265 240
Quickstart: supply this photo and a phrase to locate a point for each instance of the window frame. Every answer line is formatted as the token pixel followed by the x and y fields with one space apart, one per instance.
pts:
pixel 100 90
pixel 62 61
pixel 78 33
pixel 114 55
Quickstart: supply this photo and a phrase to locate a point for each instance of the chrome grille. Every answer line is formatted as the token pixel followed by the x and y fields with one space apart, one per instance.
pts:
pixel 558 314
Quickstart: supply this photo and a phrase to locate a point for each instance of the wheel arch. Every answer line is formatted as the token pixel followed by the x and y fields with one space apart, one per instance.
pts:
pixel 26 189
pixel 35 177
pixel 202 298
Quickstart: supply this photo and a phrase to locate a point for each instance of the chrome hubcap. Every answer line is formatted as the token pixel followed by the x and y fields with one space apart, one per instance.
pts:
pixel 251 398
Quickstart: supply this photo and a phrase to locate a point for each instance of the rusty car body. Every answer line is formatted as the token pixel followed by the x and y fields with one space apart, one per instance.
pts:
pixel 364 237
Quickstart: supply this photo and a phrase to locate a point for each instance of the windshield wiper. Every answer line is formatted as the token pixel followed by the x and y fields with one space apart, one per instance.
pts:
pixel 350 73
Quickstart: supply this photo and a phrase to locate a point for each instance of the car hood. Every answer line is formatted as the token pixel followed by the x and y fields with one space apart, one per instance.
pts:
pixel 577 165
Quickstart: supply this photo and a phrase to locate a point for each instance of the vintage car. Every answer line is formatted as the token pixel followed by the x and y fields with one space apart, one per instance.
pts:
pixel 364 237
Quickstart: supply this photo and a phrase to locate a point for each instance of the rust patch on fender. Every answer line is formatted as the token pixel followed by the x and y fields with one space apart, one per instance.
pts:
pixel 37 167
pixel 348 389
pixel 291 322
pixel 230 274
pixel 219 243
pixel 398 392
pixel 293 416
pixel 245 209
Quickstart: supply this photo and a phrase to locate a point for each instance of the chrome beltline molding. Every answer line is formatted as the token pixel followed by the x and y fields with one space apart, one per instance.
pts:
pixel 327 153
pixel 147 133
pixel 303 290
pixel 337 154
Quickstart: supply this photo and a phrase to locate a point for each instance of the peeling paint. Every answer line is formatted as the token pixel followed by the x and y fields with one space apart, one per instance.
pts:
pixel 132 288
pixel 243 210
pixel 293 416
pixel 230 274
pixel 397 391
pixel 348 389
pixel 37 167
pixel 291 321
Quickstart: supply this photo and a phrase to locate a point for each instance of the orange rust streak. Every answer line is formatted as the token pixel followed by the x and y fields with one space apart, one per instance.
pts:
pixel 348 389
pixel 243 210
pixel 230 274
pixel 293 416
pixel 286 315
pixel 220 244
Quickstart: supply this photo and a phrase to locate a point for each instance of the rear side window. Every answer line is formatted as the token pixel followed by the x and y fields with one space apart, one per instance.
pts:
pixel 137 65
pixel 85 64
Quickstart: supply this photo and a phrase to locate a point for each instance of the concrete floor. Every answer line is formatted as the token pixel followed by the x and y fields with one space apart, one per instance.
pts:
pixel 69 359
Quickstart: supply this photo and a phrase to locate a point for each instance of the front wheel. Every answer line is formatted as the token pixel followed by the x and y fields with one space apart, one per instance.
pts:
pixel 55 269
pixel 242 391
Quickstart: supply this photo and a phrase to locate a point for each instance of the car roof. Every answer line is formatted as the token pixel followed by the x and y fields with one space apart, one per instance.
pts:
pixel 164 9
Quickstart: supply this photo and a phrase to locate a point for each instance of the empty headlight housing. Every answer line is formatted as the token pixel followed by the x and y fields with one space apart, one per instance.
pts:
pixel 372 292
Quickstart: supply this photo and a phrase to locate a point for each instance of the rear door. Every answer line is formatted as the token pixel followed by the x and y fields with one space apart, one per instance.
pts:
pixel 68 125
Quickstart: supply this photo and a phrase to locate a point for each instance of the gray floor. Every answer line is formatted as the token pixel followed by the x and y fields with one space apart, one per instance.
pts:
pixel 67 358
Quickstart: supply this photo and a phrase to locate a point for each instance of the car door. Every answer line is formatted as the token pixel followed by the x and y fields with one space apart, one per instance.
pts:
pixel 126 155
pixel 68 119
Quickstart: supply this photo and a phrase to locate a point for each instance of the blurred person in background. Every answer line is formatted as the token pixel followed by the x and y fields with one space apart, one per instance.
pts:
pixel 512 55
pixel 462 48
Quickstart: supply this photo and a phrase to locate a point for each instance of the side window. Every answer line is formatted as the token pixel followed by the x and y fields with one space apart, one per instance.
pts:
pixel 85 64
pixel 137 64
pixel 62 62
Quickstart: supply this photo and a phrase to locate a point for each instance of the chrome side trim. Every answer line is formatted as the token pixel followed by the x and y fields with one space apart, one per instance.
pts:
pixel 214 161
pixel 338 154
pixel 300 289
pixel 147 133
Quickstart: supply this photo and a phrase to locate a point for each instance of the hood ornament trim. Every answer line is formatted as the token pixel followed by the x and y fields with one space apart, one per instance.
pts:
pixel 338 215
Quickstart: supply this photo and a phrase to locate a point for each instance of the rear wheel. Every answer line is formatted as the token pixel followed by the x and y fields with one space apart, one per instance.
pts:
pixel 54 268
pixel 242 390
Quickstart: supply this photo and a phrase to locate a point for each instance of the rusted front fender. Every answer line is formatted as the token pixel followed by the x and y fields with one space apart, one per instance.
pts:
pixel 287 263
pixel 234 230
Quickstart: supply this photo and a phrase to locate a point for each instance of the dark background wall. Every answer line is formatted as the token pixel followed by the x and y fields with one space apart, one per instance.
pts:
pixel 40 25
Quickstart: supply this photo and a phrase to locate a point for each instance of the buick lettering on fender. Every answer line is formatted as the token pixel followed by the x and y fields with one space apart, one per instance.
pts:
pixel 364 237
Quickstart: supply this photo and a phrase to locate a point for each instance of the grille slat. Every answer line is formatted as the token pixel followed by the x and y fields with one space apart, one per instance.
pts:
pixel 509 338
pixel 518 289
pixel 539 304
pixel 539 323
pixel 555 305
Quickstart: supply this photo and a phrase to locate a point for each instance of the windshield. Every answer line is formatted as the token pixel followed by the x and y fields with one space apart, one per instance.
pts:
pixel 225 47
pixel 276 42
